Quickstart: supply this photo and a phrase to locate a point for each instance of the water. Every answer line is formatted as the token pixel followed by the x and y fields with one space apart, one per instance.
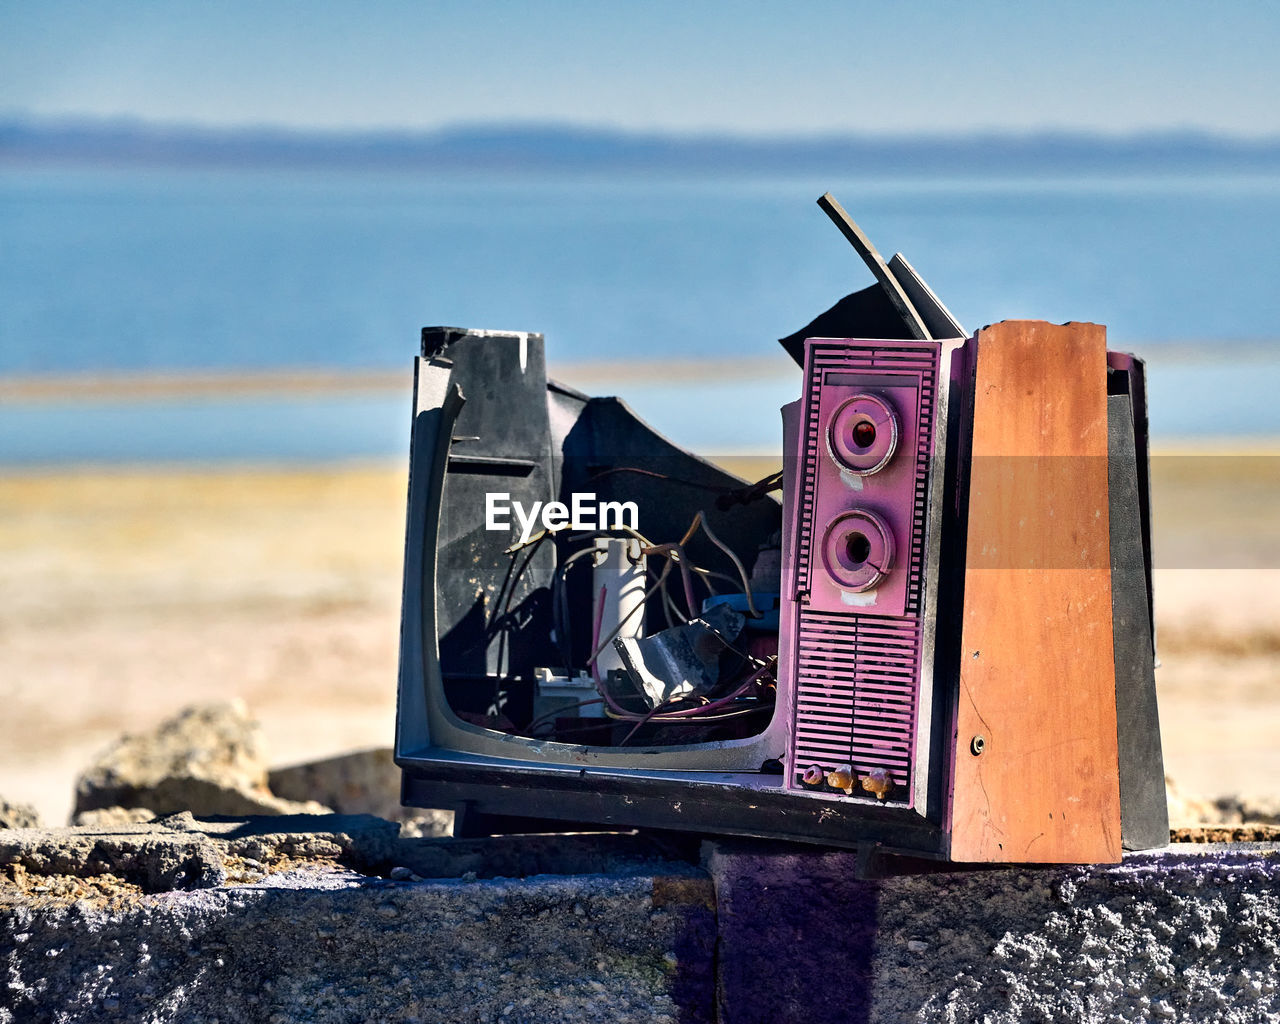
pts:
pixel 147 270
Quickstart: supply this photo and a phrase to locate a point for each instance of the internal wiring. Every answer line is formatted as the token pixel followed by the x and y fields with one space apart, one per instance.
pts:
pixel 675 552
pixel 656 715
pixel 726 498
pixel 722 701
pixel 708 719
pixel 669 607
pixel 746 495
pixel 672 551
pixel 713 718
pixel 673 555
pixel 500 621
pixel 733 557
pixel 596 646
pixel 631 716
pixel 560 602
pixel 554 712
pixel 507 590
pixel 579 535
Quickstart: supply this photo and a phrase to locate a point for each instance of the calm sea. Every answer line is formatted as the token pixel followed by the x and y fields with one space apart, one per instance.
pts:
pixel 138 271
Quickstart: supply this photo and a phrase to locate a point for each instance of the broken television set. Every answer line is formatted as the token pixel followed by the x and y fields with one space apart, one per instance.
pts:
pixel 601 628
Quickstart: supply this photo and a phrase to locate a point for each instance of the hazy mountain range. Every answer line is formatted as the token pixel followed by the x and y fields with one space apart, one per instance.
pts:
pixel 526 148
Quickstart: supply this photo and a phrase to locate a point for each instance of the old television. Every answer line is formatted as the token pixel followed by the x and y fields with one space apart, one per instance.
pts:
pixel 929 633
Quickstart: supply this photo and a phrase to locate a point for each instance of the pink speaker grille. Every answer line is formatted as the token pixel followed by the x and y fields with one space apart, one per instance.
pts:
pixel 856 686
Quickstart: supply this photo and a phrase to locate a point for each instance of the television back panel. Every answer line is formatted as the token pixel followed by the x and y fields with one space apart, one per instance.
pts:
pixel 857 619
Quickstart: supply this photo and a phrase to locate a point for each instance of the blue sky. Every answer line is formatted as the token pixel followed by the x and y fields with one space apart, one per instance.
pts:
pixel 687 66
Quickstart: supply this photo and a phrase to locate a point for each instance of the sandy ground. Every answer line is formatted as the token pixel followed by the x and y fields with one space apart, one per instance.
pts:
pixel 125 595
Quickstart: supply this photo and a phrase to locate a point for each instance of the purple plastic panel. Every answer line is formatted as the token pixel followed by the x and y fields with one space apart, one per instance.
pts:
pixel 852 623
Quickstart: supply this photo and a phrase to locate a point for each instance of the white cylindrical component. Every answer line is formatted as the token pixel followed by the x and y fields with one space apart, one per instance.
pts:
pixel 620 571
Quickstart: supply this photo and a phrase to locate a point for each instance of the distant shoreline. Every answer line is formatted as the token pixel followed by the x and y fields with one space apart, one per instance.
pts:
pixel 164 384
pixel 143 385
pixel 517 149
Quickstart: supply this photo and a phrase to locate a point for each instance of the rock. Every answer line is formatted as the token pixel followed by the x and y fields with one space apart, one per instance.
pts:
pixel 1186 810
pixel 364 782
pixel 154 861
pixel 104 817
pixel 180 851
pixel 1263 809
pixel 1251 833
pixel 425 824
pixel 18 815
pixel 206 759
pixel 1248 809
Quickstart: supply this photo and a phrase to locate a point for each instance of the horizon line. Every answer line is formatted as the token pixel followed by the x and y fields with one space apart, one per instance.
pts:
pixel 120 124
pixel 521 149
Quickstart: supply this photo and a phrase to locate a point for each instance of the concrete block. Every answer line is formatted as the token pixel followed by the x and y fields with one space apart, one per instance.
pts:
pixel 336 918
pixel 315 940
pixel 1182 934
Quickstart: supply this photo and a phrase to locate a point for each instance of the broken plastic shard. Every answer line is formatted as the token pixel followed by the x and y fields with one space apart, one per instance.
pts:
pixel 683 661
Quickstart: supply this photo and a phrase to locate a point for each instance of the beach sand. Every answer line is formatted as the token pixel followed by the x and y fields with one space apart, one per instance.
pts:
pixel 125 595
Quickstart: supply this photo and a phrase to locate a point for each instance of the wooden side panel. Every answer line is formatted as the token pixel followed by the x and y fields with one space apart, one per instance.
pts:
pixel 1037 674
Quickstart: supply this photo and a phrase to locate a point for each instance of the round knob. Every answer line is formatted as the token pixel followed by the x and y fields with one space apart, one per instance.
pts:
pixel 857 550
pixel 863 434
